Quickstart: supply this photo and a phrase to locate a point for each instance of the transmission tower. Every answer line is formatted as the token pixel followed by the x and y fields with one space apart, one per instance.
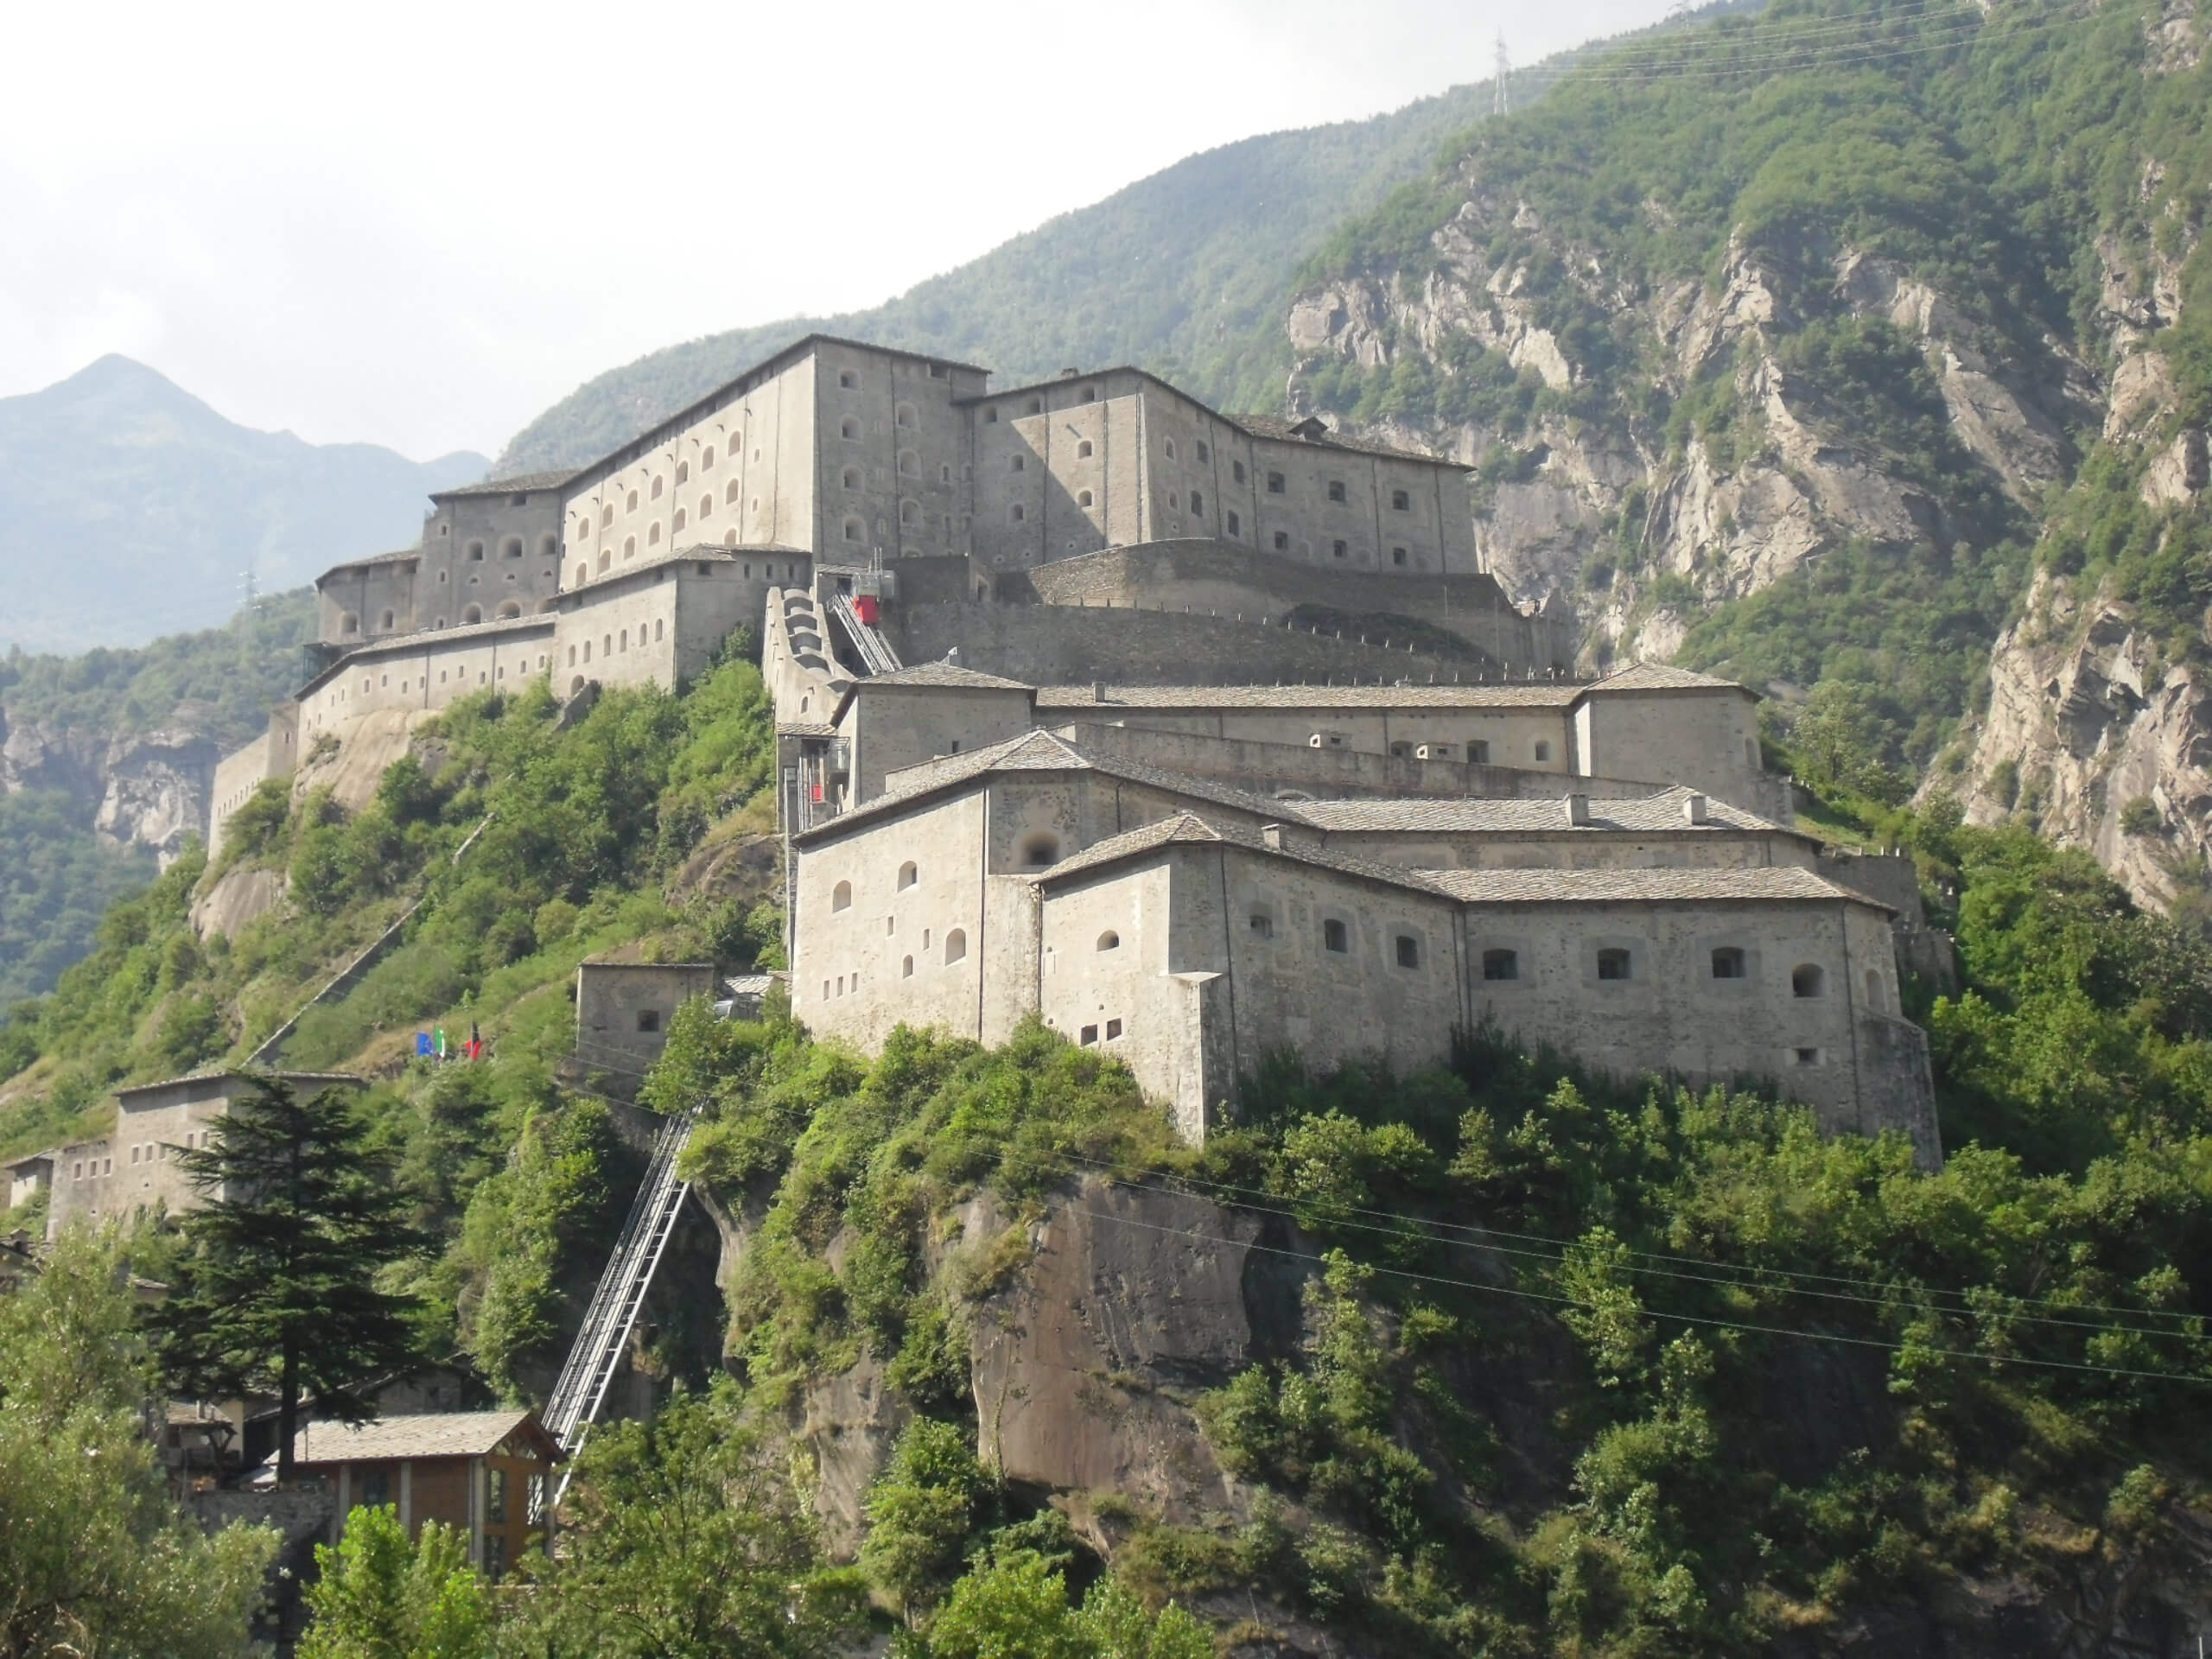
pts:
pixel 252 588
pixel 1501 99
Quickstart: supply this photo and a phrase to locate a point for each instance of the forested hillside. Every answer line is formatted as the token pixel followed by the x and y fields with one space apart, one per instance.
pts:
pixel 1830 345
pixel 106 761
pixel 1522 1360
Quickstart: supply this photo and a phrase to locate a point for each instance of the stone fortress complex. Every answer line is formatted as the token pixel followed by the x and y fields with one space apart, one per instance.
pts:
pixel 1199 737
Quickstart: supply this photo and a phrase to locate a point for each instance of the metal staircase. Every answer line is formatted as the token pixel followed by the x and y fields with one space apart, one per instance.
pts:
pixel 629 1273
pixel 876 651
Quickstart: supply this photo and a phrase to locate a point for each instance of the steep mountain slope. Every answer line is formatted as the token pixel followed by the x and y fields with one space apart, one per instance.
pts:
pixel 1794 347
pixel 1186 273
pixel 129 508
pixel 106 764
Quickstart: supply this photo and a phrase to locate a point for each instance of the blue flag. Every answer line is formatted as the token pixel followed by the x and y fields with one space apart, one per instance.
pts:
pixel 422 1045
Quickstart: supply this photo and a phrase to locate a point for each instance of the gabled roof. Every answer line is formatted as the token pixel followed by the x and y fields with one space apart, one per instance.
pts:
pixel 1034 750
pixel 246 1078
pixel 1661 677
pixel 1778 882
pixel 394 557
pixel 1656 814
pixel 520 484
pixel 936 677
pixel 1550 694
pixel 1189 827
pixel 429 1434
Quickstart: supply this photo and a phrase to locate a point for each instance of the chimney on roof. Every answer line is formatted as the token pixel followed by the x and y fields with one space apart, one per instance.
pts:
pixel 1070 374
pixel 1272 833
pixel 1578 809
pixel 1098 691
pixel 1693 809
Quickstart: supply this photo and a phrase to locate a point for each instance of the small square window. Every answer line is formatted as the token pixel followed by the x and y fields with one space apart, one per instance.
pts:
pixel 1729 963
pixel 1335 937
pixel 1401 502
pixel 1809 1056
pixel 1409 950
pixel 1113 1029
pixel 1397 556
pixel 1090 1033
pixel 1477 753
pixel 1274 484
pixel 1338 548
pixel 1336 489
pixel 1501 964
pixel 1282 541
pixel 1612 964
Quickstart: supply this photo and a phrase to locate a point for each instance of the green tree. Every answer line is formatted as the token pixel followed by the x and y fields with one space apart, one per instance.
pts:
pixel 94 1557
pixel 276 1288
pixel 682 1538
pixel 920 1512
pixel 1016 1607
pixel 382 1595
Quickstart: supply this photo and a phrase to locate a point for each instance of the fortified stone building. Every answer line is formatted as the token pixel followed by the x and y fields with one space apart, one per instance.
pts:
pixel 1196 736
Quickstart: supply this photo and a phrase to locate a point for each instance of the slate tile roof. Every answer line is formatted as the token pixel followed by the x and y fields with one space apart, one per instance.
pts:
pixel 1542 694
pixel 1659 677
pixel 520 484
pixel 1781 882
pixel 1320 435
pixel 1656 814
pixel 944 674
pixel 428 1434
pixel 1190 827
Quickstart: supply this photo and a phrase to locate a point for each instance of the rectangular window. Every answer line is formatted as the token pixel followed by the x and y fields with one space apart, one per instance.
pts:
pixel 1337 548
pixel 1204 453
pixel 1409 950
pixel 1113 1029
pixel 1501 964
pixel 1282 541
pixel 1397 556
pixel 1236 525
pixel 1336 489
pixel 495 1496
pixel 1809 1056
pixel 1236 470
pixel 1401 502
pixel 1477 753
pixel 1274 484
pixel 1612 964
pixel 1335 937
pixel 1090 1033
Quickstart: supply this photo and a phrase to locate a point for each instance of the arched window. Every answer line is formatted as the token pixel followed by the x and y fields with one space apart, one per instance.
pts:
pixel 476 552
pixel 549 545
pixel 909 514
pixel 1613 964
pixel 679 522
pixel 1040 850
pixel 473 614
pixel 657 487
pixel 956 945
pixel 1806 978
pixel 910 464
pixel 841 896
pixel 1262 924
pixel 387 620
pixel 1083 497
pixel 652 533
pixel 624 645
pixel 906 968
pixel 633 507
pixel 1877 999
pixel 606 517
pixel 1729 963
pixel 851 478
pixel 729 539
pixel 1109 940
pixel 512 547
pixel 1501 964
pixel 683 472
pixel 855 531
pixel 629 547
pixel 707 460
pixel 1083 450
pixel 510 609
pixel 849 430
pixel 1171 448
pixel 575 685
pixel 729 495
pixel 660 627
pixel 583 573
pixel 605 559
pixel 1409 948
pixel 903 416
pixel 707 506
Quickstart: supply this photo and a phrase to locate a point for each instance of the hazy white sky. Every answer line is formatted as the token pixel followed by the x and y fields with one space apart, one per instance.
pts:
pixel 418 224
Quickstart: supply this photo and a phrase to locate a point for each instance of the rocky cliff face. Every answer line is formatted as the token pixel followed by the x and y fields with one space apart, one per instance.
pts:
pixel 1645 533
pixel 153 789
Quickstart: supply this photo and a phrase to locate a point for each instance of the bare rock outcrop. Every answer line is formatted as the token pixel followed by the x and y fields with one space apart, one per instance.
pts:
pixel 152 788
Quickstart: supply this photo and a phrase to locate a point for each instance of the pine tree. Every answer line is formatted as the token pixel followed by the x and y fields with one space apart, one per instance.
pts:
pixel 276 1290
